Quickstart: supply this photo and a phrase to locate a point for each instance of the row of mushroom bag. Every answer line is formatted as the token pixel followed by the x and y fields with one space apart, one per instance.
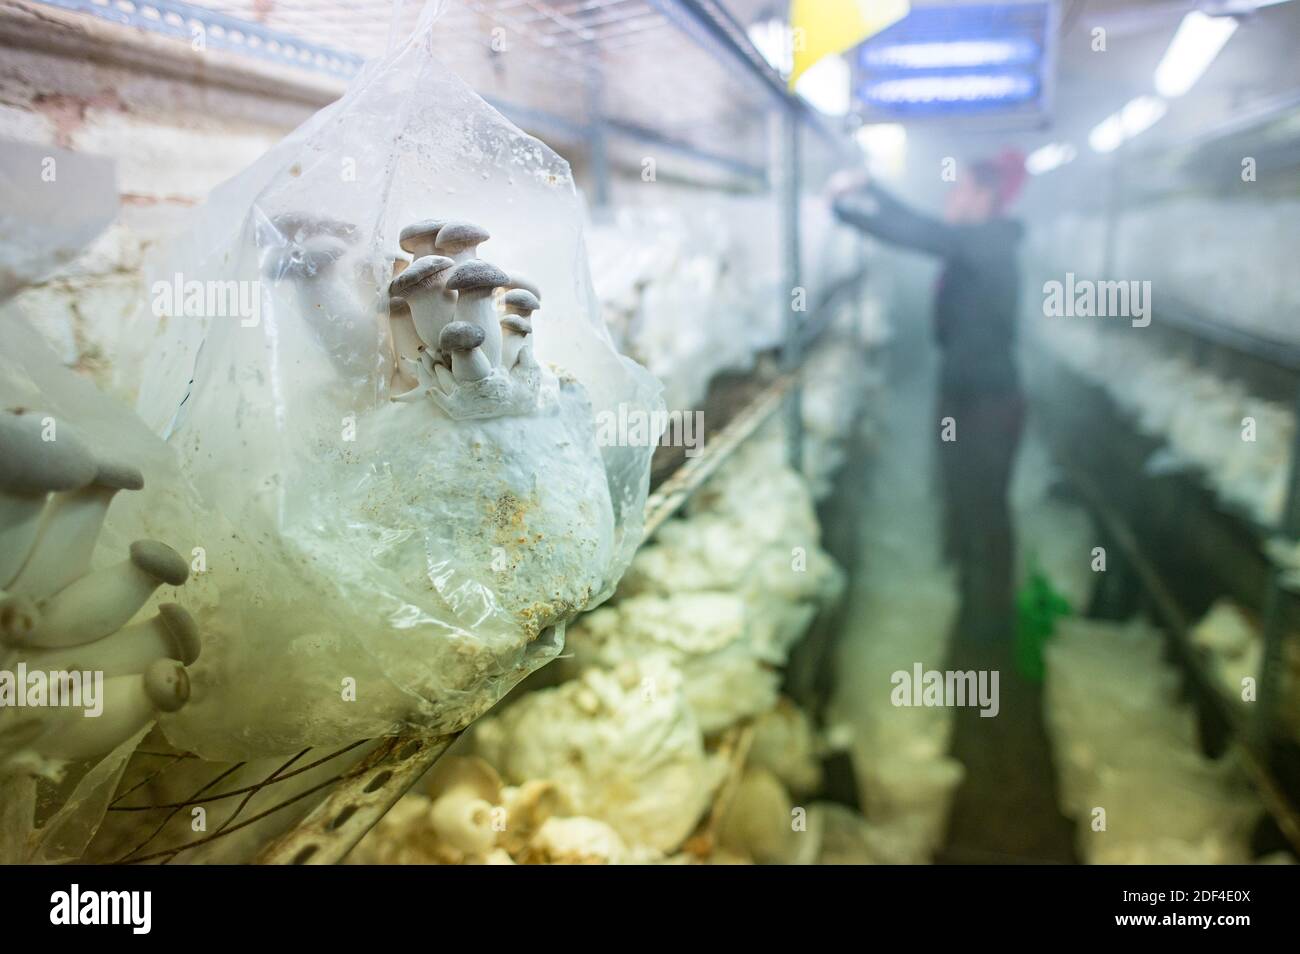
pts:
pixel 693 285
pixel 1240 443
pixel 365 440
pixel 635 746
pixel 1130 769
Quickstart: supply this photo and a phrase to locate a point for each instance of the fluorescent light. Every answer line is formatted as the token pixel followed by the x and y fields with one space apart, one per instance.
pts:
pixel 951 54
pixel 967 88
pixel 1137 116
pixel 827 86
pixel 1107 135
pixel 1049 157
pixel 1193 48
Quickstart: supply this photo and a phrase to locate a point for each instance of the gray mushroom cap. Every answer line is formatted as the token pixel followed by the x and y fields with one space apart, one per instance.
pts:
pixel 31 465
pixel 518 324
pixel 293 224
pixel 422 273
pixel 476 275
pixel 316 252
pixel 184 631
pixel 160 561
pixel 424 229
pixel 167 684
pixel 461 336
pixel 458 236
pixel 525 301
pixel 519 281
pixel 118 477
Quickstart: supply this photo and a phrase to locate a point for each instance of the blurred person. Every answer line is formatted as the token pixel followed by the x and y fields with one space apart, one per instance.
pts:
pixel 975 309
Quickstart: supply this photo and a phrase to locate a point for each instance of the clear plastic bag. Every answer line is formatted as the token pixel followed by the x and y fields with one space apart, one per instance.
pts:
pixel 372 565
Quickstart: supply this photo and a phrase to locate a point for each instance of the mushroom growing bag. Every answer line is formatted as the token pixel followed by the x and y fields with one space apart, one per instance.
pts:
pixel 365 565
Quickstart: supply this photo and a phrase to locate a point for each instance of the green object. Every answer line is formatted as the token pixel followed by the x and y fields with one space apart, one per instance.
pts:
pixel 1038 606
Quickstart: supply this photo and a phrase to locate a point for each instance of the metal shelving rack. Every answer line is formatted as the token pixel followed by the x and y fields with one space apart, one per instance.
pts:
pixel 1265 746
pixel 1269 131
pixel 1253 739
pixel 685 73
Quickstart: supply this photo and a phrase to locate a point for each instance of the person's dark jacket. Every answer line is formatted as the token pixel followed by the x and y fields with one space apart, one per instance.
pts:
pixel 978 295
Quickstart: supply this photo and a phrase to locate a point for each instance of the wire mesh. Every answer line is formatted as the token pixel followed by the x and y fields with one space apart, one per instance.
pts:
pixel 153 817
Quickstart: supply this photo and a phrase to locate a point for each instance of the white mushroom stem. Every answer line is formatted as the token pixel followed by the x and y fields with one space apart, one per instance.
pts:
pixel 20 517
pixel 332 310
pixel 514 335
pixel 439 370
pixel 446 380
pixel 475 307
pixel 423 377
pixel 432 310
pixel 129 704
pixel 170 634
pixel 102 602
pixel 462 818
pixel 422 288
pixel 464 342
pixel 470 366
pixel 406 343
pixel 68 534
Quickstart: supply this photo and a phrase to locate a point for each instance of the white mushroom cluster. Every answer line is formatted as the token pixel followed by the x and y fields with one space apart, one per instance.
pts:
pixel 723 594
pixel 622 745
pixel 59 617
pixel 1202 417
pixel 465 814
pixel 1126 743
pixel 454 339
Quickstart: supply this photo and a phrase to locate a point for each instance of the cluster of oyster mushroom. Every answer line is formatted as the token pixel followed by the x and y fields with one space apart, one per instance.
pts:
pixel 58 616
pixel 451 342
pixel 459 327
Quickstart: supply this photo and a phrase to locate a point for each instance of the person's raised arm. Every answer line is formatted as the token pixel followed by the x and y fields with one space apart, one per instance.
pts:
pixel 865 206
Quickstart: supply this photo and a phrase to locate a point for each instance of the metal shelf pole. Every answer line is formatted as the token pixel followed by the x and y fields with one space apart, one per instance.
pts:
pixel 1273 664
pixel 792 348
